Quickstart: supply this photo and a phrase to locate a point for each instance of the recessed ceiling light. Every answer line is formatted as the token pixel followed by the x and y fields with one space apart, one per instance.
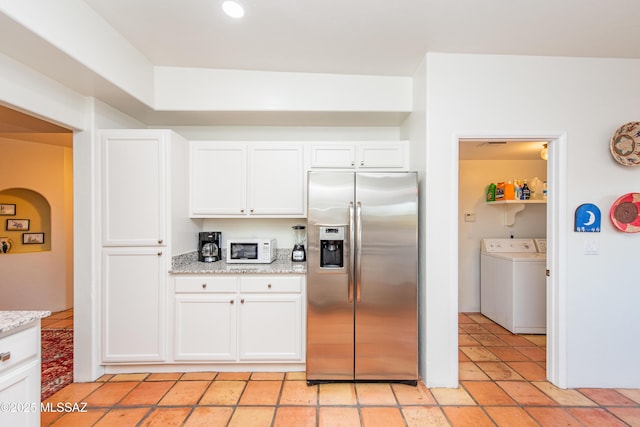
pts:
pixel 233 9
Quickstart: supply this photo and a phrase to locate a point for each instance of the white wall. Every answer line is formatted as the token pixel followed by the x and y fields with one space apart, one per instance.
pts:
pixel 39 280
pixel 75 29
pixel 288 133
pixel 585 100
pixel 414 129
pixel 277 228
pixel 474 176
pixel 197 89
pixel 29 91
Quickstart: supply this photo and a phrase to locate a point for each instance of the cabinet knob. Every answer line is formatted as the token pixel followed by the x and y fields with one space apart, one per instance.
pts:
pixel 160 241
pixel 361 162
pixel 5 356
pixel 353 163
pixel 251 210
pixel 269 286
pixel 232 301
pixel 241 210
pixel 204 286
pixel 160 253
pixel 242 301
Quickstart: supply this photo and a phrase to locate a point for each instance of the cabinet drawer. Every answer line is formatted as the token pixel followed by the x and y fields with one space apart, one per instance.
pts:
pixel 206 284
pixel 19 347
pixel 275 284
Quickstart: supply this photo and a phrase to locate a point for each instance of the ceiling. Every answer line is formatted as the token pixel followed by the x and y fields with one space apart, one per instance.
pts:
pixel 16 125
pixel 370 37
pixel 502 149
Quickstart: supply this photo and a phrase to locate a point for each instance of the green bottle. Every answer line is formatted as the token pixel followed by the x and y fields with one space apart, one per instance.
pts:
pixel 491 193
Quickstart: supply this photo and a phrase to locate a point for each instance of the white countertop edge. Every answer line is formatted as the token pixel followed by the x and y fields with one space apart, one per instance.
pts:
pixel 10 320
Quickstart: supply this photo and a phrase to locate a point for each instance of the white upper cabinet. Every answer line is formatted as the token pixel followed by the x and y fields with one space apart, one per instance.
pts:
pixel 276 179
pixel 134 189
pixel 333 156
pixel 217 178
pixel 386 155
pixel 235 179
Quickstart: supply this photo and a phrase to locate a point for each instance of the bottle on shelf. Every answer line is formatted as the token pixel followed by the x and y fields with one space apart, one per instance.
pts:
pixel 491 193
pixel 518 189
pixel 509 191
pixel 500 191
pixel 526 192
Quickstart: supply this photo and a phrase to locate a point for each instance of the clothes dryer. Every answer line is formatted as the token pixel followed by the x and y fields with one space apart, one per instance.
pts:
pixel 513 285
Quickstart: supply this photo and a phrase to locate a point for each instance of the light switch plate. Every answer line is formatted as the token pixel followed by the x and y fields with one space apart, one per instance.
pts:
pixel 469 217
pixel 590 247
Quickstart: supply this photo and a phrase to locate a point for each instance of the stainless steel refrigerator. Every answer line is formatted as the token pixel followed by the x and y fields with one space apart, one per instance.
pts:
pixel 362 242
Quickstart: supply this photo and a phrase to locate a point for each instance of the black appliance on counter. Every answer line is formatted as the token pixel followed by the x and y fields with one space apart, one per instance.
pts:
pixel 209 246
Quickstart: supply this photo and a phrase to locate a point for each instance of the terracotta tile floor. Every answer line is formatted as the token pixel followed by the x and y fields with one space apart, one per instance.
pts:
pixel 502 382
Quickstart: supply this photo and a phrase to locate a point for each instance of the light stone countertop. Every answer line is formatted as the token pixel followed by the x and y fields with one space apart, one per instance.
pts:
pixel 189 264
pixel 10 320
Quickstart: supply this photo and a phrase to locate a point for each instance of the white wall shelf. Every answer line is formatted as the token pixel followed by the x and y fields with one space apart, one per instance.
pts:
pixel 513 207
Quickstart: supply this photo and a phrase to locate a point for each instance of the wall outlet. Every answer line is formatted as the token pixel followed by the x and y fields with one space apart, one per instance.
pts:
pixel 469 217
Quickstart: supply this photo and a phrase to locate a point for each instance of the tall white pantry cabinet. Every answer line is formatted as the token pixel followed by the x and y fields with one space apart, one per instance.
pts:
pixel 143 200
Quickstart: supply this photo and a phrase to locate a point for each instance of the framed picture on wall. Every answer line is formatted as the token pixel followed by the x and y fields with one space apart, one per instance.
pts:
pixel 7 209
pixel 17 225
pixel 32 238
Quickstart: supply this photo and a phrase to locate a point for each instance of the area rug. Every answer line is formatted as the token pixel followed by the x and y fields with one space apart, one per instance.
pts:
pixel 57 360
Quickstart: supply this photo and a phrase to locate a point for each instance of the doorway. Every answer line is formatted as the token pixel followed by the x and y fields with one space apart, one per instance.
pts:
pixel 39 267
pixel 475 218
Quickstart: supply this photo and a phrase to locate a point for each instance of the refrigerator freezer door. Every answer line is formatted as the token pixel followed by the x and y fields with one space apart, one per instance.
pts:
pixel 330 316
pixel 386 336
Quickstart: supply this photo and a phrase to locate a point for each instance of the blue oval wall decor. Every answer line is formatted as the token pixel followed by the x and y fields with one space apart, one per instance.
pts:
pixel 588 218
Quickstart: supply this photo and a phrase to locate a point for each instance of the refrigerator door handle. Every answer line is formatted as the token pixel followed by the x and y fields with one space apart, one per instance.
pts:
pixel 358 249
pixel 351 251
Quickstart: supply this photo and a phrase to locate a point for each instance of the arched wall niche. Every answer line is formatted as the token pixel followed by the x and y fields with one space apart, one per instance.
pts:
pixel 28 228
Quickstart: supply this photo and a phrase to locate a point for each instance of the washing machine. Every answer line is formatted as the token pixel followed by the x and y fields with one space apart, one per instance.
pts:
pixel 513 289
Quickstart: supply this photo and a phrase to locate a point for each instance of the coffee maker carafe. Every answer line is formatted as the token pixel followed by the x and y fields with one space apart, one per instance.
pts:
pixel 209 246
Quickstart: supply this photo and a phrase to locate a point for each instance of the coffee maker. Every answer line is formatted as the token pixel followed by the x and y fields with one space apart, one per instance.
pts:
pixel 209 246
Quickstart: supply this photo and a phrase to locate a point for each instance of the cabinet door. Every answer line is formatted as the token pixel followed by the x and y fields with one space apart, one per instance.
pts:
pixel 276 179
pixel 270 327
pixel 217 174
pixel 21 386
pixel 333 156
pixel 205 327
pixel 133 305
pixel 392 155
pixel 134 189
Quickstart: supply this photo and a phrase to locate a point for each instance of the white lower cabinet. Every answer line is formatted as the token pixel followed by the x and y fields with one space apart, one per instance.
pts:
pixel 20 378
pixel 231 318
pixel 205 318
pixel 133 305
pixel 270 320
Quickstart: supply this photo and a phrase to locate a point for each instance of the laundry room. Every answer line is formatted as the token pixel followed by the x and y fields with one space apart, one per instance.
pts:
pixel 521 218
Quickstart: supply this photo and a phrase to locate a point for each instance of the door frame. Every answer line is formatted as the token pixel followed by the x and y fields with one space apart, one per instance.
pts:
pixel 556 361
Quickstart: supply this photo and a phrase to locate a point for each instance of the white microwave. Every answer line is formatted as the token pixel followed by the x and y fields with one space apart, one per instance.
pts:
pixel 251 251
